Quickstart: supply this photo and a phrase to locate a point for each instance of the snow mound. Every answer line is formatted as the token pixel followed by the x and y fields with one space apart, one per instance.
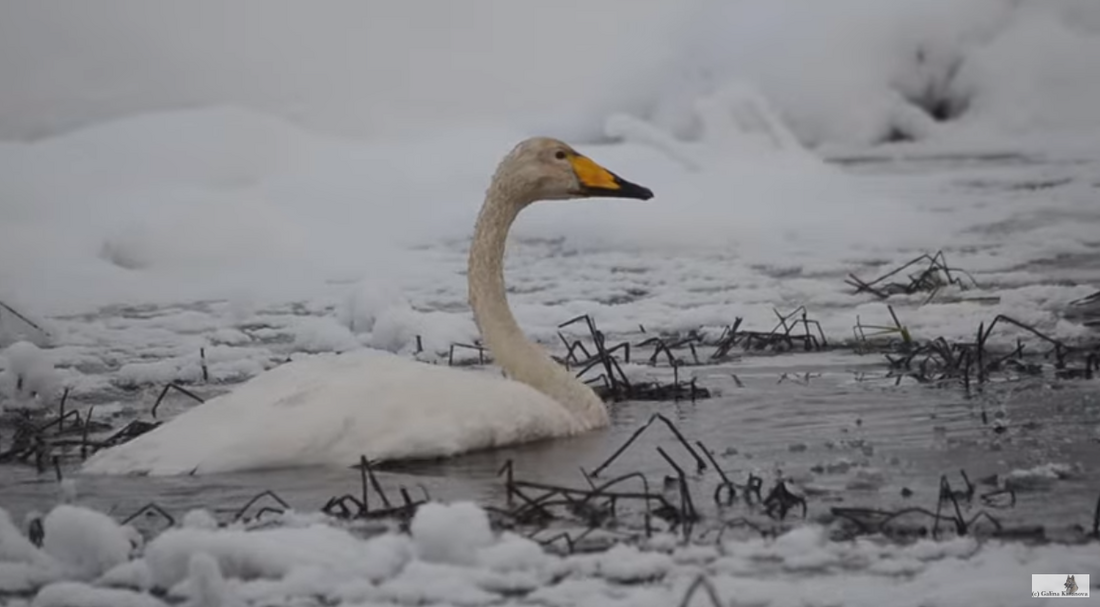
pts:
pixel 268 553
pixel 87 542
pixel 199 519
pixel 736 124
pixel 454 558
pixel 170 205
pixel 206 586
pixel 23 567
pixel 865 72
pixel 29 377
pixel 76 594
pixel 450 533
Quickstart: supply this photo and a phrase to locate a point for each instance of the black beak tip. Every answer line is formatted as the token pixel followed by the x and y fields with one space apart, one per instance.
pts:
pixel 621 189
pixel 633 190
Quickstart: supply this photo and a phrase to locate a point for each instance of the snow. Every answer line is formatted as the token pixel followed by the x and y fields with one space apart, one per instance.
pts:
pixel 513 553
pixel 721 240
pixel 207 586
pixel 223 363
pixel 450 533
pixel 28 376
pixel 157 204
pixel 16 325
pixel 1013 91
pixel 811 57
pixel 332 67
pixel 1038 478
pixel 86 542
pixel 273 553
pixel 285 565
pixel 361 234
pixel 75 594
pixel 134 575
pixel 1002 70
pixel 170 205
pixel 626 565
pixel 23 567
pixel 199 519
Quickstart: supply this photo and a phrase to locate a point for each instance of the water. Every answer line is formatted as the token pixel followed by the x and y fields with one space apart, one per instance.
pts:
pixel 830 430
pixel 847 433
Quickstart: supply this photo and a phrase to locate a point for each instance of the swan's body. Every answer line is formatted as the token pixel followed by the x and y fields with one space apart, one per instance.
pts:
pixel 332 409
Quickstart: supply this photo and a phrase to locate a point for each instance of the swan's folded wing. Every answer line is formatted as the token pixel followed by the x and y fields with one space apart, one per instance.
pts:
pixel 329 410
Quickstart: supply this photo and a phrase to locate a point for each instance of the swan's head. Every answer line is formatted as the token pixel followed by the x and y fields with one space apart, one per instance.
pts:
pixel 547 169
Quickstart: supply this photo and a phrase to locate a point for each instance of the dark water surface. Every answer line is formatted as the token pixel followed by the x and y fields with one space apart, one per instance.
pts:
pixel 847 435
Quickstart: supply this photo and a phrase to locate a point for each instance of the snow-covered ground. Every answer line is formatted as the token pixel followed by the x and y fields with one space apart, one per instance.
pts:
pixel 207 191
pixel 840 70
pixel 252 209
pixel 451 556
pixel 252 238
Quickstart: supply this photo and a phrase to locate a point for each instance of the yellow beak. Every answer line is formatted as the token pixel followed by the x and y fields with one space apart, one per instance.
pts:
pixel 598 181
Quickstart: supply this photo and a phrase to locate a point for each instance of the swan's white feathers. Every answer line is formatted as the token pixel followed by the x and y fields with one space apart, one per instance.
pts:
pixel 330 409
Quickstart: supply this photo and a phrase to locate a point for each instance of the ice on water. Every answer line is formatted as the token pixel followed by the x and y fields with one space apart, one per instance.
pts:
pixel 323 204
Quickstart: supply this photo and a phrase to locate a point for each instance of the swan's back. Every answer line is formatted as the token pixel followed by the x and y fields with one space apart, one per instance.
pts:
pixel 329 410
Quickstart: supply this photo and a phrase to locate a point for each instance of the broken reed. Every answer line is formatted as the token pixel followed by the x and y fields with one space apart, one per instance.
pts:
pixel 348 506
pixel 539 505
pixel 793 330
pixel 67 434
pixel 973 362
pixel 938 360
pixel 345 507
pixel 535 507
pixel 29 322
pixel 865 521
pixel 781 338
pixel 600 364
pixel 929 278
pixel 612 383
pixel 56 438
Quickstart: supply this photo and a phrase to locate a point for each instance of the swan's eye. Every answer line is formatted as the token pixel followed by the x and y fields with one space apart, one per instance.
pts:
pixel 560 155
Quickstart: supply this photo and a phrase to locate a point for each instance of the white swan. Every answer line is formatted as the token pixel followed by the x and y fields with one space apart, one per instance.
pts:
pixel 332 409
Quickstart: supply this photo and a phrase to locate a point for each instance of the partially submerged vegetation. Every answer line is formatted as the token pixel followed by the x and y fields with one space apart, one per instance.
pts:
pixel 930 276
pixel 696 498
pixel 48 438
pixel 603 510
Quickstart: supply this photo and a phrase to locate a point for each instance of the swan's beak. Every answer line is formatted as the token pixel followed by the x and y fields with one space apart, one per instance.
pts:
pixel 598 181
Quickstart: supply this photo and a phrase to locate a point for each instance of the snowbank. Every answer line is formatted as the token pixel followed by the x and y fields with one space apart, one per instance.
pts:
pixel 866 71
pixel 246 213
pixel 471 565
pixel 840 71
pixel 114 214
pixel 332 67
pixel 224 202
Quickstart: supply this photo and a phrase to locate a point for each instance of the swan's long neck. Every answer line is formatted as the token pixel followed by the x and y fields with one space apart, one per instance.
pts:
pixel 521 359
